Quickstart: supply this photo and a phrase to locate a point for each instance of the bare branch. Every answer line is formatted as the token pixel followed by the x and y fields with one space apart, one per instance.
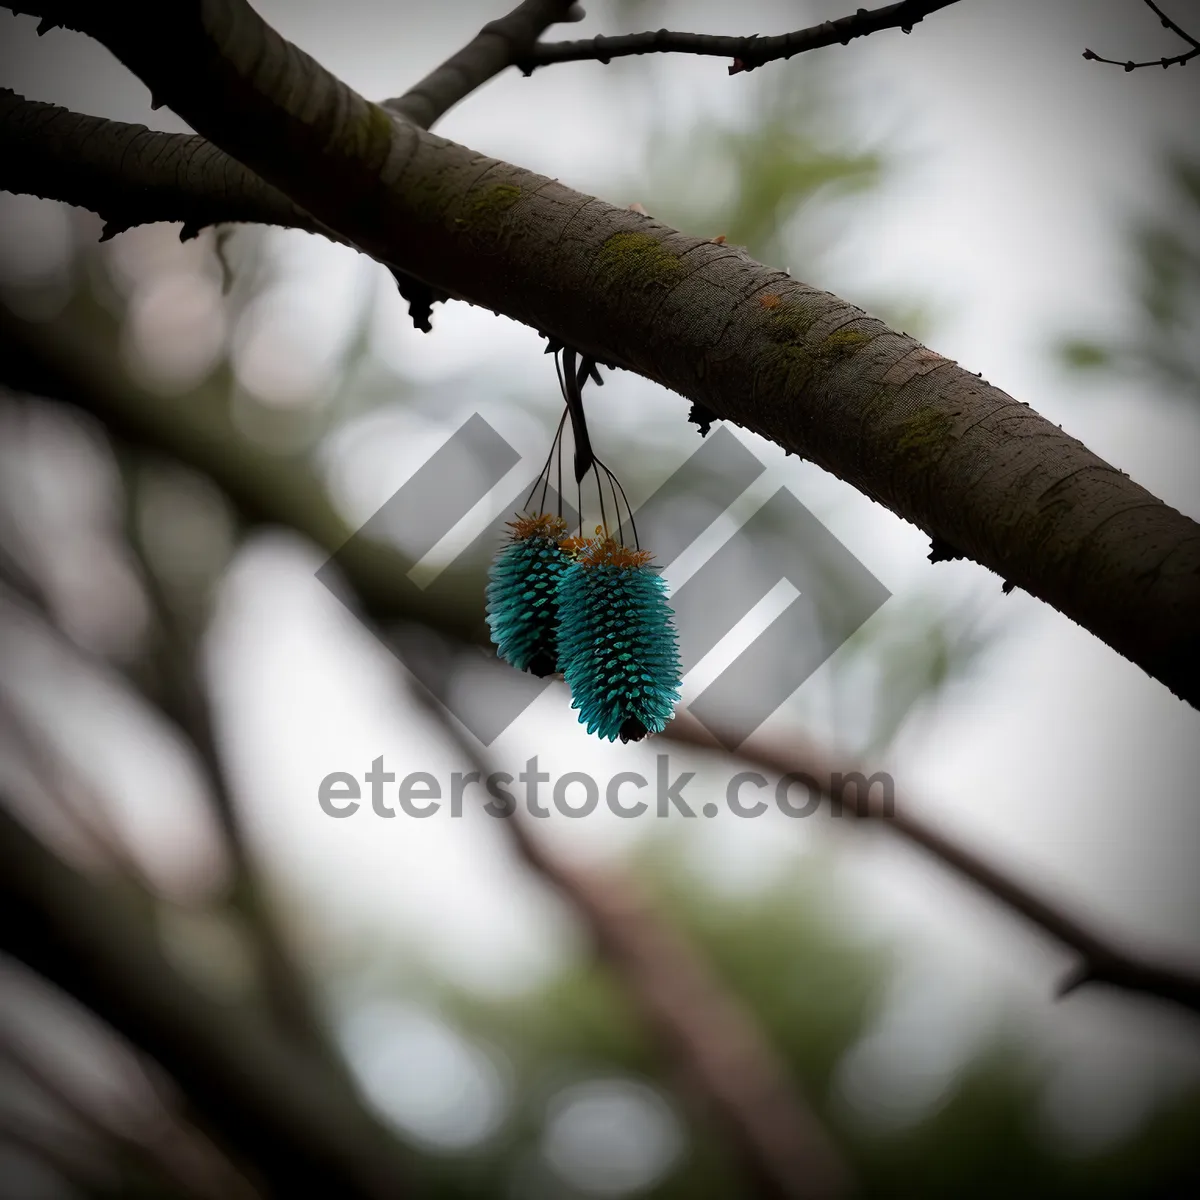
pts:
pixel 498 44
pixel 1104 961
pixel 746 52
pixel 1171 25
pixel 130 175
pixel 1176 60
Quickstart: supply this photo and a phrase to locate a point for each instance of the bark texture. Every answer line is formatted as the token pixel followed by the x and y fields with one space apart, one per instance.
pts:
pixel 980 472
pixel 129 174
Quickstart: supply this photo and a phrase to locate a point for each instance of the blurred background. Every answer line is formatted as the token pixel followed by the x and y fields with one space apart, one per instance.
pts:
pixel 177 681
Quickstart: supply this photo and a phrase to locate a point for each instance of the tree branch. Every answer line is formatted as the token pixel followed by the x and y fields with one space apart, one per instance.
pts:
pixel 1176 60
pixel 130 175
pixel 499 44
pixel 939 446
pixel 746 52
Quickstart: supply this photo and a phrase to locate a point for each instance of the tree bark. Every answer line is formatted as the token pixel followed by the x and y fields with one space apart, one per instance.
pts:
pixel 984 475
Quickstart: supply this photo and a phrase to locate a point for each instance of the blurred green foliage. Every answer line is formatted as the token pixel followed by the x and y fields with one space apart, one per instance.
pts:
pixel 816 995
pixel 1162 341
pixel 757 179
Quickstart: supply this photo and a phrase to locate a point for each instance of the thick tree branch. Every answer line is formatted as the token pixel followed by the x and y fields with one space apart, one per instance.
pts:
pixel 746 52
pixel 54 359
pixel 267 1102
pixel 130 175
pixel 499 44
pixel 939 446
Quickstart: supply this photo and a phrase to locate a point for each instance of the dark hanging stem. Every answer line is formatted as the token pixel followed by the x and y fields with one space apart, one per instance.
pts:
pixel 543 479
pixel 573 372
pixel 571 380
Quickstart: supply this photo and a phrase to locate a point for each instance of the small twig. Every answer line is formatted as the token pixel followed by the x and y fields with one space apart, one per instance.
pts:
pixel 497 45
pixel 1175 60
pixel 1102 960
pixel 746 52
pixel 1171 25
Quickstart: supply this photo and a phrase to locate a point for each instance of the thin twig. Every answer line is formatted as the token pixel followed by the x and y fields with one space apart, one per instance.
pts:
pixel 746 52
pixel 1171 25
pixel 1175 60
pixel 497 45
pixel 1103 961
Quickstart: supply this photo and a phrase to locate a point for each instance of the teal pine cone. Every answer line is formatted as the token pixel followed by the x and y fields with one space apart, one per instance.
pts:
pixel 522 601
pixel 617 649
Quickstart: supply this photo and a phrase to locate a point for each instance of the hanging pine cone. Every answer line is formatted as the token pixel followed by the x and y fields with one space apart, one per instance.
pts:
pixel 522 594
pixel 616 641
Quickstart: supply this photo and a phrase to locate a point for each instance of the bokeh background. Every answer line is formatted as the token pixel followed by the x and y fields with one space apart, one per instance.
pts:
pixel 1034 216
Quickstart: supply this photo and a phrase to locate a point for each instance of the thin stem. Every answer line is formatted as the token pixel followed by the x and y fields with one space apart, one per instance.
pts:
pixel 746 52
pixel 1173 61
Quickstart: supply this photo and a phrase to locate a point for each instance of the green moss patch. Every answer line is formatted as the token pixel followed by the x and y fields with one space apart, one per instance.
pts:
pixel 925 435
pixel 636 260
